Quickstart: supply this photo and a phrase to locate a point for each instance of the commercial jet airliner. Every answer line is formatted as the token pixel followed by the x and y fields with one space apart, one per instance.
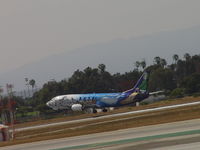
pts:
pixel 92 102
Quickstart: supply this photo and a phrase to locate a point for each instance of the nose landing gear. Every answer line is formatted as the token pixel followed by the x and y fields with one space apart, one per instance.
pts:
pixel 94 111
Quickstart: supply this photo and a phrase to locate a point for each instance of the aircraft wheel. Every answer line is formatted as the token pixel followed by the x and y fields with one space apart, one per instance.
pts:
pixel 94 111
pixel 105 110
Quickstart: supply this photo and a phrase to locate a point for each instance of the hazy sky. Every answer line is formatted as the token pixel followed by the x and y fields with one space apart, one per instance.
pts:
pixel 33 29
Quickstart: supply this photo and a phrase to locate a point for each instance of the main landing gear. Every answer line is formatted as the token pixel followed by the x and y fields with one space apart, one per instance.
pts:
pixel 104 110
pixel 95 111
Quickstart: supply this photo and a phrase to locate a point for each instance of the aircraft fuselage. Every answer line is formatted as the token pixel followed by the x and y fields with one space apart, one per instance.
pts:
pixel 95 100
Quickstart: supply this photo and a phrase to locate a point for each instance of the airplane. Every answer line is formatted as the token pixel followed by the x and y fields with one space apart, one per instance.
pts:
pixel 94 101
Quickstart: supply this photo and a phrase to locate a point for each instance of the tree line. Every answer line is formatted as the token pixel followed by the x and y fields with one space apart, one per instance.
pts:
pixel 178 79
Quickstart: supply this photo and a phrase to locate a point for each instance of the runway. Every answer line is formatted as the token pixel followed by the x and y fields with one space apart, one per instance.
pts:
pixel 109 116
pixel 182 143
pixel 160 137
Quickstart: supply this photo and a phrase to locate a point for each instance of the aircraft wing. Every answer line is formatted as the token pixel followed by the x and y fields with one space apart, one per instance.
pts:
pixel 91 106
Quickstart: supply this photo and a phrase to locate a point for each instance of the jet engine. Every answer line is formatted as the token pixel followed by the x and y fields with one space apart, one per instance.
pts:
pixel 76 107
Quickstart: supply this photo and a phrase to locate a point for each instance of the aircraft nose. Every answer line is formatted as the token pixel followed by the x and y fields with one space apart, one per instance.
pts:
pixel 49 103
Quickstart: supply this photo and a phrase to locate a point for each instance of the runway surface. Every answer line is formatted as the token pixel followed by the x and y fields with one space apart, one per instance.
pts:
pixel 164 136
pixel 108 116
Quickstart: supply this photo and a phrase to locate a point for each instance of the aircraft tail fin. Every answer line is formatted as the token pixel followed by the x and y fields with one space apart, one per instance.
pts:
pixel 142 84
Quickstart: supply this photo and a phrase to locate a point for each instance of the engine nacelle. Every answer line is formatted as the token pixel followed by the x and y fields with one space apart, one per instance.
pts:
pixel 76 107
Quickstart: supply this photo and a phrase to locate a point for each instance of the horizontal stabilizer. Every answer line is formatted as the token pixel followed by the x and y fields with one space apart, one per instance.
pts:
pixel 157 92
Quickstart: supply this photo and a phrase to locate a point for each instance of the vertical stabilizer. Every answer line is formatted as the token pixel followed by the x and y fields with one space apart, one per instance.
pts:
pixel 142 84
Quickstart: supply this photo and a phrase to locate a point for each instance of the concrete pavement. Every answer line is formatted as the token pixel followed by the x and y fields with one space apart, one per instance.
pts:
pixel 111 140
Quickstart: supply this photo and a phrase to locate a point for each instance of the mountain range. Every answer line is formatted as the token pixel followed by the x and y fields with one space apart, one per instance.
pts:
pixel 118 55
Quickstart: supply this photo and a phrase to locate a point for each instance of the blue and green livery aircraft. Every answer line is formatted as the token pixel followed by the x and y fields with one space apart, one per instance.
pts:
pixel 92 102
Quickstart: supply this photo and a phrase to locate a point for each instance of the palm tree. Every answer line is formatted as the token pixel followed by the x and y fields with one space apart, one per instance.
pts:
pixel 102 68
pixel 163 62
pixel 157 60
pixel 143 64
pixel 27 84
pixel 137 64
pixel 175 58
pixel 1 91
pixel 187 56
pixel 32 84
